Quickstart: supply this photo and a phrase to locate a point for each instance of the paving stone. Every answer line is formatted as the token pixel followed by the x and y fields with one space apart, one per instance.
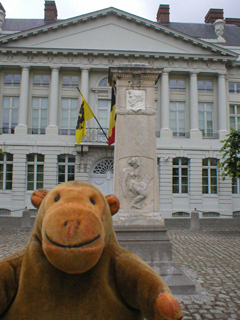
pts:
pixel 211 258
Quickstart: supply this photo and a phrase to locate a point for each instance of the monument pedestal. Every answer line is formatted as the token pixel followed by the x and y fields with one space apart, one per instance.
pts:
pixel 152 244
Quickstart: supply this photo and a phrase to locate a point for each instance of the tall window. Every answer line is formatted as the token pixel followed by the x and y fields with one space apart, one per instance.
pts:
pixel 6 171
pixel 235 117
pixel 205 86
pixel 205 118
pixel 39 115
pixel 10 114
pixel 177 85
pixel 69 116
pixel 70 81
pixel 234 87
pixel 12 79
pixel 66 168
pixel 235 185
pixel 177 118
pixel 42 80
pixel 210 176
pixel 180 175
pixel 35 171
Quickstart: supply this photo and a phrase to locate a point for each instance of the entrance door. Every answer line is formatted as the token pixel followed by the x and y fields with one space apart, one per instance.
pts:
pixel 102 175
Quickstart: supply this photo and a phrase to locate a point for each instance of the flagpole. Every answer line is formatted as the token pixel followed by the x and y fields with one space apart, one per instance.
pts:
pixel 95 118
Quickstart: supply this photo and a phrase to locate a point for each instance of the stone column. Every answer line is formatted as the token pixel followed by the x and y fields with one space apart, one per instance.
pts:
pixel 222 107
pixel 135 156
pixel 52 127
pixel 165 131
pixel 23 103
pixel 194 130
pixel 85 83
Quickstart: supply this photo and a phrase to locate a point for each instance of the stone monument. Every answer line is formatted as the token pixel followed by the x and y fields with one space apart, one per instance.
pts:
pixel 139 224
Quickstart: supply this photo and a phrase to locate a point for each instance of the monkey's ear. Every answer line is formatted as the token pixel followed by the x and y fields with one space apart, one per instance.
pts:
pixel 38 196
pixel 113 203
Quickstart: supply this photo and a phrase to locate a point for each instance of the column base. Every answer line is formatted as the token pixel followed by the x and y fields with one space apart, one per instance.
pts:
pixel 222 134
pixel 52 130
pixel 21 129
pixel 138 217
pixel 165 133
pixel 195 134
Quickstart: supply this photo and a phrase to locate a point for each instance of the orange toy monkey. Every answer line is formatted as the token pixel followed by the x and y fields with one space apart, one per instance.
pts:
pixel 73 268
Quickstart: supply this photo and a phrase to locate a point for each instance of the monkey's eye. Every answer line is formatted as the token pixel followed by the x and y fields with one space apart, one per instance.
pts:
pixel 92 201
pixel 57 198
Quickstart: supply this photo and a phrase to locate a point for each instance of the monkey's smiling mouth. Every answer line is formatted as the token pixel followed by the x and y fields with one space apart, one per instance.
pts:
pixel 71 246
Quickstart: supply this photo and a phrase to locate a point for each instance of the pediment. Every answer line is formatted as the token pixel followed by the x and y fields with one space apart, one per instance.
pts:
pixel 113 33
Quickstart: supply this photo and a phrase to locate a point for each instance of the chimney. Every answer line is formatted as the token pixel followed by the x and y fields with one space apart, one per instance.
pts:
pixel 50 10
pixel 163 13
pixel 213 15
pixel 235 21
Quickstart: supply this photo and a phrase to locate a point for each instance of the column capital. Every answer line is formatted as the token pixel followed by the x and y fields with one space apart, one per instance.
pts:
pixel 192 73
pixel 55 68
pixel 25 67
pixel 222 74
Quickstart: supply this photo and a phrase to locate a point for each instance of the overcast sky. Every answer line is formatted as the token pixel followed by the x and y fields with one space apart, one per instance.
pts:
pixel 180 10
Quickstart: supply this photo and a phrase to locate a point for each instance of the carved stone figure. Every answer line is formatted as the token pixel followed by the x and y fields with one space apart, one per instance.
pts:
pixel 136 100
pixel 134 187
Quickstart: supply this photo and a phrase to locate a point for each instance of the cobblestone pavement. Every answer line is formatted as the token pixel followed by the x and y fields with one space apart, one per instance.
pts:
pixel 211 258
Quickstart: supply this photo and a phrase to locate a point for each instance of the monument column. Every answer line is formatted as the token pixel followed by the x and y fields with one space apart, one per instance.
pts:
pixel 194 130
pixel 135 156
pixel 165 131
pixel 23 103
pixel 52 127
pixel 222 107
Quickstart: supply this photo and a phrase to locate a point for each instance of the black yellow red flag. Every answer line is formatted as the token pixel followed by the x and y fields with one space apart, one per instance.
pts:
pixel 85 113
pixel 112 120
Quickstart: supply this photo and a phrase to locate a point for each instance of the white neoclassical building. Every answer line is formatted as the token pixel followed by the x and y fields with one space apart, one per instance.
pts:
pixel 197 100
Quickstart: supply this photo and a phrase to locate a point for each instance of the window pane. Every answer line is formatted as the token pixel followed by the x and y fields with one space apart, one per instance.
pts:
pixel 175 171
pixel 175 161
pixel 71 158
pixel 175 189
pixel 205 189
pixel 61 158
pixel 214 162
pixel 205 162
pixel 40 158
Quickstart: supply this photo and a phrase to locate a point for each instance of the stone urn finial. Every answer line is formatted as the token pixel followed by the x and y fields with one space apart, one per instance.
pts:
pixel 219 29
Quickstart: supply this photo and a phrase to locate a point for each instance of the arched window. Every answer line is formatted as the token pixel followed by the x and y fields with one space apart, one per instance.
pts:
pixel 210 214
pixel 180 214
pixel 180 175
pixel 103 82
pixel 66 167
pixel 5 212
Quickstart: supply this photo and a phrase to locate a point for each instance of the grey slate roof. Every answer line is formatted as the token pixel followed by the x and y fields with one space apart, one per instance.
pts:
pixel 197 30
pixel 15 25
pixel 207 31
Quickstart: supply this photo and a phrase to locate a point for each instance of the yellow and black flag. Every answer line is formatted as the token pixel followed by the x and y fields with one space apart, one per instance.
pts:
pixel 112 121
pixel 85 114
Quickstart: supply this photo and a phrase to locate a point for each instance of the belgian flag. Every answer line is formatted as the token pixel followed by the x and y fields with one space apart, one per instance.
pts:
pixel 112 121
pixel 85 114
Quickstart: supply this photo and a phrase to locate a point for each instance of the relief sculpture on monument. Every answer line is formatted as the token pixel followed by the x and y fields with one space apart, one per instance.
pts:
pixel 136 100
pixel 135 186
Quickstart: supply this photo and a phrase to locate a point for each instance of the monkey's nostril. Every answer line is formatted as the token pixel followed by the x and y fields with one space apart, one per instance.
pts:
pixel 65 224
pixel 78 222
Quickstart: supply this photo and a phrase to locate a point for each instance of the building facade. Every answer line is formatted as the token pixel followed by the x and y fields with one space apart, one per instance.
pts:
pixel 197 99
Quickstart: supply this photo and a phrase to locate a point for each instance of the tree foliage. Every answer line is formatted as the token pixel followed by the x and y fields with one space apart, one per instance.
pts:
pixel 231 160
